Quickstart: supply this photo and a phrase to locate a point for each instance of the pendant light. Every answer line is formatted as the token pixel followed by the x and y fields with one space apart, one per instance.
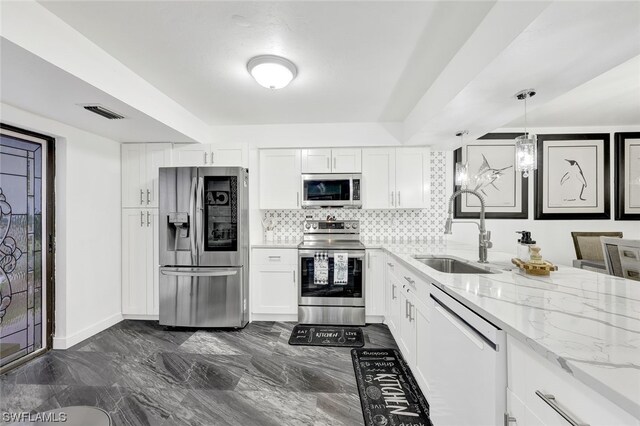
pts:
pixel 462 169
pixel 527 144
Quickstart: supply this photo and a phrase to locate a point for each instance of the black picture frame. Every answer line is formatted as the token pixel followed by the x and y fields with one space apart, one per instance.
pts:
pixel 619 177
pixel 539 178
pixel 524 193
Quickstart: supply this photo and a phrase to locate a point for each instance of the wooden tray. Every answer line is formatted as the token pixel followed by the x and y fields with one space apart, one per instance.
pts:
pixel 534 268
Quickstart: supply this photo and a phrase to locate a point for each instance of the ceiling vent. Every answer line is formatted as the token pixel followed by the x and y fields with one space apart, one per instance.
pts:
pixel 105 112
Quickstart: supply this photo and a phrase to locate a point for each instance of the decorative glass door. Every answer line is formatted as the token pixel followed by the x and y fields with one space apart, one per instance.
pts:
pixel 23 247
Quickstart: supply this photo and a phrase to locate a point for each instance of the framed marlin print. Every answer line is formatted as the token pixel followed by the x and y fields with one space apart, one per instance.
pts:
pixel 491 166
pixel 627 175
pixel 572 180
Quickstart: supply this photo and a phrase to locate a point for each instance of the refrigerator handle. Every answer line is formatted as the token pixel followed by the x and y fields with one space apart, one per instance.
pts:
pixel 177 273
pixel 200 213
pixel 192 211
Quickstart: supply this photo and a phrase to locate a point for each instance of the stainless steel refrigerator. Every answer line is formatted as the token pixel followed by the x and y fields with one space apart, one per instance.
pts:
pixel 204 246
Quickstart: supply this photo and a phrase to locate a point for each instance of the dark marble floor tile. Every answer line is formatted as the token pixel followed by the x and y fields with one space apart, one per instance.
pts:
pixel 260 326
pixel 256 408
pixel 16 398
pixel 236 342
pixel 338 409
pixel 130 407
pixel 67 368
pixel 299 374
pixel 379 336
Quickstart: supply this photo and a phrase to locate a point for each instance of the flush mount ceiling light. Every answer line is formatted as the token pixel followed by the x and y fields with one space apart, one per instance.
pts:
pixel 527 144
pixel 272 72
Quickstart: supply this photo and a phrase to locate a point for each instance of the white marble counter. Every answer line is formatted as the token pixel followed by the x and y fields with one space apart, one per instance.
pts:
pixel 585 322
pixel 282 244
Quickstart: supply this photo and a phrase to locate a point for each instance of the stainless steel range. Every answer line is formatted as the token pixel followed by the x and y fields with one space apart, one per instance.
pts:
pixel 332 266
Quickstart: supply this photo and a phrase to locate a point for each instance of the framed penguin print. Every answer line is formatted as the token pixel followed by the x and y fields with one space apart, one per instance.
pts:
pixel 491 166
pixel 627 175
pixel 572 180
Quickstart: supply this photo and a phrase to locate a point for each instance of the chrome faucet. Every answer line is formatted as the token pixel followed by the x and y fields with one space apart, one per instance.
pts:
pixel 484 239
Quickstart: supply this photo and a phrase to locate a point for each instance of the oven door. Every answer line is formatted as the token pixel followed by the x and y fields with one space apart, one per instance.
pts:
pixel 327 191
pixel 351 294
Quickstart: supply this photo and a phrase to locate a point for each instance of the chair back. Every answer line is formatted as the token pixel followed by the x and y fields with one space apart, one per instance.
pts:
pixel 588 246
pixel 622 257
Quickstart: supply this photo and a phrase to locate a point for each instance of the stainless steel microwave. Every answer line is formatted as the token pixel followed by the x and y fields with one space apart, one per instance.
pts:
pixel 332 190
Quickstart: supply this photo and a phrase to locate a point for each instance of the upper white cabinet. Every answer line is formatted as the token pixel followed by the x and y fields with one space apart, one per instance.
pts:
pixel 335 160
pixel 395 178
pixel 140 163
pixel 210 155
pixel 280 179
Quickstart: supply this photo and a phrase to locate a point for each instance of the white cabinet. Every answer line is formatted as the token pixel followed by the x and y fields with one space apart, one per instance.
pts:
pixel 407 341
pixel 274 286
pixel 412 177
pixel 374 284
pixel 531 381
pixel 231 155
pixel 335 160
pixel 280 179
pixel 423 345
pixel 140 262
pixel 140 163
pixel 378 178
pixel 392 299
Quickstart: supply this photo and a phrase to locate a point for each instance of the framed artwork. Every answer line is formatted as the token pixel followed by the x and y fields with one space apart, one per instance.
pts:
pixel 572 180
pixel 491 164
pixel 627 149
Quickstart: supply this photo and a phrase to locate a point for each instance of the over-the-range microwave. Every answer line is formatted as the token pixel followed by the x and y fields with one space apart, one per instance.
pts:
pixel 332 190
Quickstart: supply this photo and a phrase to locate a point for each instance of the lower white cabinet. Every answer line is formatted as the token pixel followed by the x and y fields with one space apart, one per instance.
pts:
pixel 274 282
pixel 423 330
pixel 392 300
pixel 140 253
pixel 374 283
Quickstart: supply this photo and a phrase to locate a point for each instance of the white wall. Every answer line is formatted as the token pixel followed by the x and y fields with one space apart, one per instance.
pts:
pixel 553 236
pixel 88 250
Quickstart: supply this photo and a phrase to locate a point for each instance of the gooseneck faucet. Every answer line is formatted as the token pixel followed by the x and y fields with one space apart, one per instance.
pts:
pixel 484 239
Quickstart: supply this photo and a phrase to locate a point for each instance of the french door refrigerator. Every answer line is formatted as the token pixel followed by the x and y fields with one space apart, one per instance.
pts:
pixel 204 246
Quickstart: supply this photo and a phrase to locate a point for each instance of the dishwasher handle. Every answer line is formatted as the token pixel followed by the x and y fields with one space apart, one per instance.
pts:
pixel 461 324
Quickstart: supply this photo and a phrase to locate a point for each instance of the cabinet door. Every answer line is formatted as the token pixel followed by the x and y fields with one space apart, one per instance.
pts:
pixel 393 299
pixel 316 161
pixel 135 264
pixel 374 289
pixel 153 262
pixel 231 156
pixel 422 327
pixel 412 177
pixel 275 289
pixel 157 155
pixel 280 179
pixel 193 154
pixel 407 341
pixel 378 175
pixel 133 175
pixel 346 160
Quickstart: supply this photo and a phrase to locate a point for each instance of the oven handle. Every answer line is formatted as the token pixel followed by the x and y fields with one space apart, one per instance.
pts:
pixel 357 254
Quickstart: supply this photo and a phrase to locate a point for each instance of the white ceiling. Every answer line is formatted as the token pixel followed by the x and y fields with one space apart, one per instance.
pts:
pixel 357 61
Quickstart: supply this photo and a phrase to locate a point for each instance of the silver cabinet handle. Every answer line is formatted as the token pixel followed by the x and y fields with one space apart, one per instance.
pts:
pixel 212 158
pixel 392 198
pixel 205 157
pixel 148 196
pixel 508 418
pixel 297 199
pixel 411 306
pixel 141 197
pixel 274 257
pixel 328 165
pixel 148 219
pixel 141 218
pixel 390 264
pixel 334 163
pixel 368 260
pixel 399 203
pixel 410 281
pixel 552 402
pixel 406 308
pixel 393 291
pixel 294 276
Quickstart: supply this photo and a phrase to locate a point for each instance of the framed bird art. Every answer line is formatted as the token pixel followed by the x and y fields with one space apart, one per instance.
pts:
pixel 572 180
pixel 490 162
pixel 627 175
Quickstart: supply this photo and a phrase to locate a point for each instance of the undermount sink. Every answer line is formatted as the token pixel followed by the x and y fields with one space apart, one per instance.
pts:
pixel 452 265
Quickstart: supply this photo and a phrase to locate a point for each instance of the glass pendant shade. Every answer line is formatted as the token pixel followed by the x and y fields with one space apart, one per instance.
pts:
pixel 526 154
pixel 462 174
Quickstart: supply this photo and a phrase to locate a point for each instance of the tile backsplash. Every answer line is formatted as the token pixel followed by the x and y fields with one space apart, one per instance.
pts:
pixel 411 225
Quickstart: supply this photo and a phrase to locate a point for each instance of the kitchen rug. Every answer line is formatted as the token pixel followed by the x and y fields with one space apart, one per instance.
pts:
pixel 388 391
pixel 321 335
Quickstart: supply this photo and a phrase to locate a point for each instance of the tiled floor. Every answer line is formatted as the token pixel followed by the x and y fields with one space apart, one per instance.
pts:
pixel 143 374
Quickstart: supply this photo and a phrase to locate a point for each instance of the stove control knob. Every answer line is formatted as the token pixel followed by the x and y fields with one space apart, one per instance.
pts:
pixel 307 225
pixel 347 225
pixel 354 225
pixel 314 226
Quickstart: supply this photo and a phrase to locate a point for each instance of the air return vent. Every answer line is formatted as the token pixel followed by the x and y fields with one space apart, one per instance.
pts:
pixel 105 112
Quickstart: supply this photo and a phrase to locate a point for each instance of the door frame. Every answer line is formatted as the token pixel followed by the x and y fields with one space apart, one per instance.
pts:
pixel 49 189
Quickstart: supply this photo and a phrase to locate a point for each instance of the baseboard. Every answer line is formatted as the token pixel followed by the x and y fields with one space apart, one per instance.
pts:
pixel 85 333
pixel 374 319
pixel 140 317
pixel 274 317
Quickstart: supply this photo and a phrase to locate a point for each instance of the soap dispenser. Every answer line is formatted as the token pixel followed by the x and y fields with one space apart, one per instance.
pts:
pixel 524 244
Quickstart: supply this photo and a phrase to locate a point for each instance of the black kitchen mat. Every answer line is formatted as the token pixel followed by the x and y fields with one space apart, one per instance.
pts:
pixel 388 391
pixel 326 335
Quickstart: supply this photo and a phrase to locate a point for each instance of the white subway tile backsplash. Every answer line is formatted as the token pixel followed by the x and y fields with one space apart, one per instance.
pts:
pixel 400 226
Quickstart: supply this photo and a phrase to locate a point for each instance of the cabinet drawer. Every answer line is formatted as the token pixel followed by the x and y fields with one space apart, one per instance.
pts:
pixel 275 256
pixel 405 276
pixel 563 393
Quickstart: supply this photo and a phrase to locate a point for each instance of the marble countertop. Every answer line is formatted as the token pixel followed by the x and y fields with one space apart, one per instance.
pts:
pixel 277 244
pixel 585 322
